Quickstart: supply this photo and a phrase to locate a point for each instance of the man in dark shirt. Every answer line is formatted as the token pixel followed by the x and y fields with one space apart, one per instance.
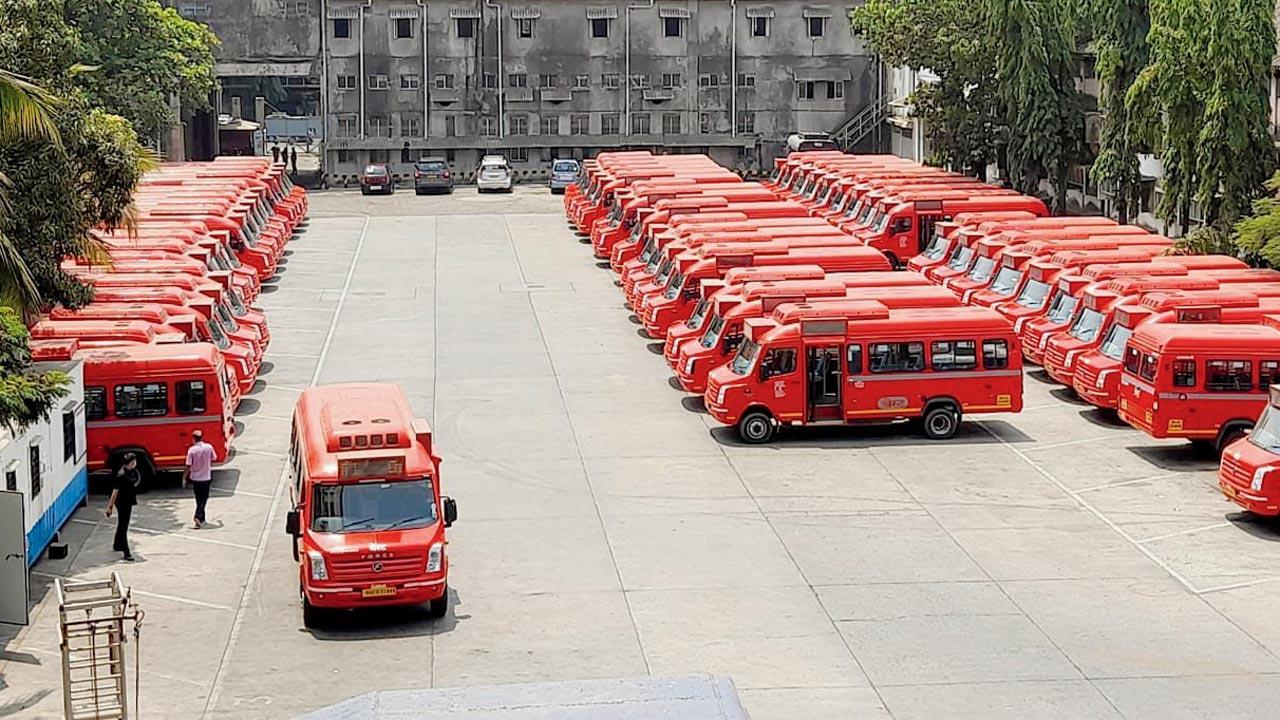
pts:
pixel 124 495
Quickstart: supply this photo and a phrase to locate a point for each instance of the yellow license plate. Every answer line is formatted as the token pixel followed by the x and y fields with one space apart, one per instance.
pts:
pixel 375 591
pixel 1228 491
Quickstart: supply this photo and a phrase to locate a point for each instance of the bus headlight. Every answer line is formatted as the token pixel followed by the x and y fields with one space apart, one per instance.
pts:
pixel 318 569
pixel 1071 357
pixel 720 395
pixel 435 558
pixel 1258 476
pixel 688 366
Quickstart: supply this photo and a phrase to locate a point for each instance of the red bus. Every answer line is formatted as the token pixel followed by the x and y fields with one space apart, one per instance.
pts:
pixel 891 365
pixel 903 229
pixel 1247 475
pixel 368 518
pixel 972 227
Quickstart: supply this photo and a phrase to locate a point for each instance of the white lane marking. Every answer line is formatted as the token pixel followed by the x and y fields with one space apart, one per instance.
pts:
pixel 1237 586
pixel 212 541
pixel 1180 533
pixel 305 356
pixel 1069 443
pixel 219 677
pixel 1185 583
pixel 1135 481
pixel 228 492
pixel 184 601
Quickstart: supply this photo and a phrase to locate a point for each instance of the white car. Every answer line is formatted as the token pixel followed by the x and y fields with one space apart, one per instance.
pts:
pixel 494 174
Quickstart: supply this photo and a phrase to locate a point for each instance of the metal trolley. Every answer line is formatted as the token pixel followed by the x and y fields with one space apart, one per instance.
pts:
pixel 91 622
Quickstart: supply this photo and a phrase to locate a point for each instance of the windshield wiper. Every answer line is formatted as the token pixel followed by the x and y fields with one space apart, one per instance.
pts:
pixel 353 523
pixel 400 522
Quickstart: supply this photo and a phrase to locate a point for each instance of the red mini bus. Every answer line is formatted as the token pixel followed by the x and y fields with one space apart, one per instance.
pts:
pixel 1200 381
pixel 890 365
pixel 368 519
pixel 904 229
pixel 1248 474
pixel 977 225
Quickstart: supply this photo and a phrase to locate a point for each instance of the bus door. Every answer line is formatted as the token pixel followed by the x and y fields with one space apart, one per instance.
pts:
pixel 824 381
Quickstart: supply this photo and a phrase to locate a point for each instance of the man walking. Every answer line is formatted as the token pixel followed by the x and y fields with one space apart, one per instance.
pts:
pixel 124 495
pixel 199 473
pixel 293 159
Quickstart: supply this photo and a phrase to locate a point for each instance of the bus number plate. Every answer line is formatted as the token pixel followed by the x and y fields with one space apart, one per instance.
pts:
pixel 377 591
pixel 892 402
pixel 1228 490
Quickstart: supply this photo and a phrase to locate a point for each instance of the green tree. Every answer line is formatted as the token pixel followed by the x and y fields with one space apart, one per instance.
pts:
pixel 1258 236
pixel 145 54
pixel 1120 29
pixel 959 111
pixel 25 395
pixel 26 111
pixel 1035 41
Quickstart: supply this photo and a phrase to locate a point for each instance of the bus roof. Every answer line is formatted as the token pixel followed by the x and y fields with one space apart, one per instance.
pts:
pixel 1196 337
pixel 353 430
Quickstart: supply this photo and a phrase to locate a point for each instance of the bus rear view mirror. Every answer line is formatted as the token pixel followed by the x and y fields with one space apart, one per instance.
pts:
pixel 293 523
pixel 450 511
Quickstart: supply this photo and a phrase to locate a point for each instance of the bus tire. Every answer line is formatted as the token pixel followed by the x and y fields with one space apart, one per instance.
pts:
pixel 756 427
pixel 941 421
pixel 1230 433
pixel 894 262
pixel 310 614
pixel 439 607
pixel 146 467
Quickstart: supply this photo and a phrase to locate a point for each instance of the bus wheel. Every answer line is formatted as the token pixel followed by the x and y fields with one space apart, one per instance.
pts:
pixel 310 613
pixel 941 422
pixel 756 427
pixel 439 607
pixel 1230 434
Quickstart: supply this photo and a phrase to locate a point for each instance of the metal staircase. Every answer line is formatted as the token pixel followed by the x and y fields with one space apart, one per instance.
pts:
pixel 857 128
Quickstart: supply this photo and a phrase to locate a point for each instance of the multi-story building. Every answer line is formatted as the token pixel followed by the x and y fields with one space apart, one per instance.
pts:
pixel 395 80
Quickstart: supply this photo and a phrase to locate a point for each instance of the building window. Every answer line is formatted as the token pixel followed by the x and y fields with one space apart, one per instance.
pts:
pixel 817 26
pixel 579 124
pixel 704 123
pixel 551 125
pixel 444 81
pixel 672 27
pixel 465 27
pixel 488 126
pixel 379 82
pixel 746 80
pixel 805 89
pixel 671 124
pixel 611 81
pixel 708 80
pixel 640 124
pixel 610 123
pixel 581 82
pixel 548 81
pixel 69 435
pixel 518 124
pixel 346 82
pixel 346 156
pixel 639 82
pixel 410 126
pixel 524 27
pixel 450 126
pixel 341 28
pixel 348 126
pixel 410 82
pixel 404 28
pixel 37 482
pixel 671 80
pixel 835 90
pixel 11 480
pixel 759 27
pixel 600 28
pixel 518 80
pixel 520 154
pixel 379 126
pixel 746 122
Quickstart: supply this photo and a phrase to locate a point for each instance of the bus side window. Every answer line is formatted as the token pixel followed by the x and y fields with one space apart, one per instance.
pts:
pixel 1268 372
pixel 1228 375
pixel 953 355
pixel 95 402
pixel 853 359
pixel 778 362
pixel 901 225
pixel 146 400
pixel 895 357
pixel 995 354
pixel 189 397
pixel 1184 373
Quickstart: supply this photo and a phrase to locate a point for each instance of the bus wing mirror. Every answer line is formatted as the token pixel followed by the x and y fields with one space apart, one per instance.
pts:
pixel 450 511
pixel 293 522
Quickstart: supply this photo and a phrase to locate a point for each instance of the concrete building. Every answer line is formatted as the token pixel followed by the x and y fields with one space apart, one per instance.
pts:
pixel 398 79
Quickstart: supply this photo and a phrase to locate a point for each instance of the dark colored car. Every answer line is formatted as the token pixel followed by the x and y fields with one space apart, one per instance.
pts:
pixel 564 173
pixel 432 175
pixel 377 179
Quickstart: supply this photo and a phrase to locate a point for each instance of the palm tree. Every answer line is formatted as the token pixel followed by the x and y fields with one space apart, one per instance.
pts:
pixel 26 112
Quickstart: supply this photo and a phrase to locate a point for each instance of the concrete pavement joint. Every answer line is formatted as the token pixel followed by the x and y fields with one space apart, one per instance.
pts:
pixel 1135 481
pixel 220 676
pixel 1180 533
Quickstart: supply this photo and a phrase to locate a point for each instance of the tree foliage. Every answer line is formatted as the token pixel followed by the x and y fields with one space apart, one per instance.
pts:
pixel 1120 29
pixel 144 53
pixel 25 394
pixel 958 111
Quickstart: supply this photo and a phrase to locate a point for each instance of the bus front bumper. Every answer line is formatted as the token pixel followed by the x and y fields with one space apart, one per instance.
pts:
pixel 350 597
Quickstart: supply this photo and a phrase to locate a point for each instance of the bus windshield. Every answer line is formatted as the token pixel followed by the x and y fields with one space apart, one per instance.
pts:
pixel 1006 280
pixel 1086 326
pixel 372 506
pixel 1061 308
pixel 218 337
pixel 698 315
pixel 882 222
pixel 937 247
pixel 674 286
pixel 981 270
pixel 1266 434
pixel 746 357
pixel 1034 294
pixel 960 260
pixel 1113 344
pixel 713 331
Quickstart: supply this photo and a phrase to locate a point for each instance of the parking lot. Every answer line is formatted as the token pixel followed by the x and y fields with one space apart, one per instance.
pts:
pixel 1051 564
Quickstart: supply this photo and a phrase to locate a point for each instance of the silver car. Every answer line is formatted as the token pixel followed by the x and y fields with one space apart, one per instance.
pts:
pixel 494 174
pixel 563 174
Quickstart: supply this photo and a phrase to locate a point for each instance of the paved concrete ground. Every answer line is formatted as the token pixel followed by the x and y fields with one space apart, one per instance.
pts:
pixel 1047 565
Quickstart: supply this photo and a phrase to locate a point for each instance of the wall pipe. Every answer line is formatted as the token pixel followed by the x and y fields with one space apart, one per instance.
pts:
pixel 733 68
pixel 502 73
pixel 426 69
pixel 363 80
pixel 626 81
pixel 324 84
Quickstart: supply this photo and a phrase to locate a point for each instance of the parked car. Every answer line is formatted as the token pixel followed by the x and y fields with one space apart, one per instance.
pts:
pixel 802 141
pixel 377 179
pixel 563 174
pixel 494 173
pixel 432 174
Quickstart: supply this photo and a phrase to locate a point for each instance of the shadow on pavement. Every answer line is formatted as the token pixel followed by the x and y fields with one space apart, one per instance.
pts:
pixel 1184 457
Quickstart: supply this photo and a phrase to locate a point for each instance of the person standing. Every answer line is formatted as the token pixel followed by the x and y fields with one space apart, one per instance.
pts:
pixel 275 153
pixel 293 159
pixel 124 495
pixel 199 473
